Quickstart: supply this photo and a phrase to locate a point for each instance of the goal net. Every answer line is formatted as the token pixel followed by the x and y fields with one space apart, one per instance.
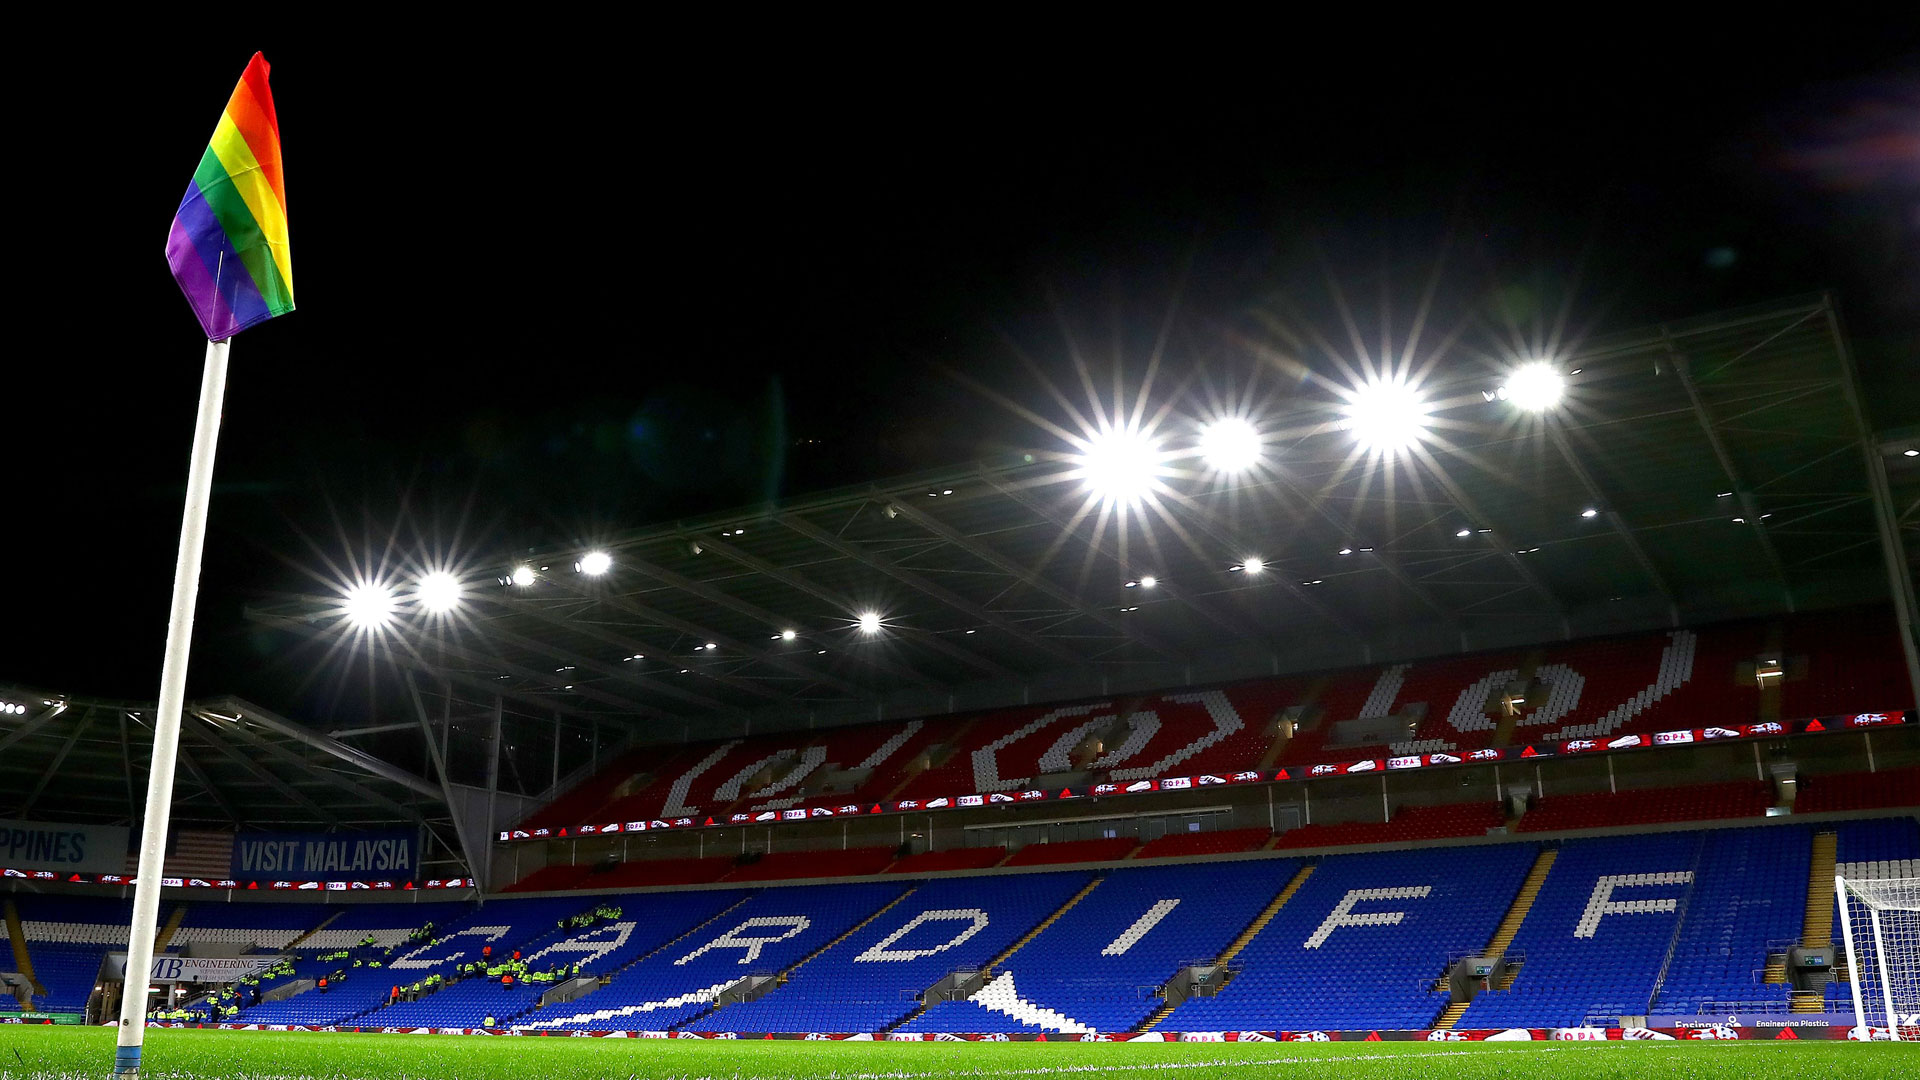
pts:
pixel 1880 921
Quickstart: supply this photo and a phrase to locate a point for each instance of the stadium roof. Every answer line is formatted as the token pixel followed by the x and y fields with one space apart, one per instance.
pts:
pixel 240 765
pixel 1713 468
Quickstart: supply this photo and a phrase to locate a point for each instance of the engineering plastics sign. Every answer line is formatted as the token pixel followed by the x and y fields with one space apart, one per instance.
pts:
pixel 384 854
pixel 195 969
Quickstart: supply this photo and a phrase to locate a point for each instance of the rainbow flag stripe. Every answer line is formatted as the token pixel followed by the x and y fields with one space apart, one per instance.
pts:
pixel 228 244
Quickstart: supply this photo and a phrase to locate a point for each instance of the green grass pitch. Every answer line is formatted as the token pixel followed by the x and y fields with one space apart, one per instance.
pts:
pixel 71 1051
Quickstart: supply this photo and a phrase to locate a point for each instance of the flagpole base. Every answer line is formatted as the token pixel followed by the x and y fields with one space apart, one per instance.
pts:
pixel 126 1061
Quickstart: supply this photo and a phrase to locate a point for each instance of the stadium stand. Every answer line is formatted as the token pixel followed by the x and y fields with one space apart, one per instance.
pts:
pixel 1848 666
pixel 1686 678
pixel 1363 941
pixel 645 922
pixel 551 878
pixel 1607 809
pixel 933 862
pixel 637 874
pixel 1190 844
pixel 1597 935
pixel 1858 790
pixel 1409 824
pixel 785 865
pixel 1094 968
pixel 1748 897
pixel 768 934
pixel 1622 926
pixel 1106 849
pixel 874 978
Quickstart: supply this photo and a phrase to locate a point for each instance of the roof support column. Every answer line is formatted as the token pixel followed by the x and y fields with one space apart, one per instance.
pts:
pixel 440 769
pixel 1899 581
pixel 493 784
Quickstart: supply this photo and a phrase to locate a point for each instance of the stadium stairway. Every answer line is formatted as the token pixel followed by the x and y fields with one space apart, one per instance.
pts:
pixel 1005 954
pixel 17 937
pixel 781 978
pixel 644 955
pixel 1233 948
pixel 1283 733
pixel 1503 934
pixel 1503 731
pixel 1817 926
pixel 172 926
pixel 328 921
pixel 992 966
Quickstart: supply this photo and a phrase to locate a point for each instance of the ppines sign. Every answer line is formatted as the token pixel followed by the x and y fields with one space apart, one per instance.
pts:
pixel 43 845
pixel 344 856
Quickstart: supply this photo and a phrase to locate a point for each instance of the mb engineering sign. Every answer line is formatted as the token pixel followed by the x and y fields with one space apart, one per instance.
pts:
pixel 337 856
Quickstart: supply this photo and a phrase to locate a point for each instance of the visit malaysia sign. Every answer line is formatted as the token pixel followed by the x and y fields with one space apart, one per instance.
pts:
pixel 343 856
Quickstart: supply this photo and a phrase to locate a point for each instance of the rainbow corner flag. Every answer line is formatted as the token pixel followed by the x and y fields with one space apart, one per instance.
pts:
pixel 228 244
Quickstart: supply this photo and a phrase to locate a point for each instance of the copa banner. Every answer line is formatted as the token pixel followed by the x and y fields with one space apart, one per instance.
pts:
pixel 45 845
pixel 170 968
pixel 357 856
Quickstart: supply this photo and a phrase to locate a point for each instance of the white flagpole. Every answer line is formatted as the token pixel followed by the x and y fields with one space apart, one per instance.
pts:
pixel 166 726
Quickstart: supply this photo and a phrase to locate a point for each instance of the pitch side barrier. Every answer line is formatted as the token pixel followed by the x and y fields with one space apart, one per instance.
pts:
pixel 1787 1029
pixel 1295 774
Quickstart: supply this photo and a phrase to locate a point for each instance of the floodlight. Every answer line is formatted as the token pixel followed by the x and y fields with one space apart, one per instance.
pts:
pixel 1464 533
pixel 1535 387
pixel 1910 453
pixel 1253 564
pixel 1230 444
pixel 595 563
pixel 1589 512
pixel 788 635
pixel 1120 464
pixel 523 576
pixel 1149 581
pixel 438 592
pixel 1386 415
pixel 369 605
pixel 870 622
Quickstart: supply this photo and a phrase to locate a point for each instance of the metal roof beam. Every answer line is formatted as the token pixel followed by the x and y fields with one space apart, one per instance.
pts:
pixel 1748 508
pixel 126 769
pixel 353 787
pixel 1224 534
pixel 912 579
pixel 440 770
pixel 726 641
pixel 1464 504
pixel 643 611
pixel 59 759
pixel 213 791
pixel 1381 557
pixel 1899 577
pixel 827 596
pixel 1093 543
pixel 32 726
pixel 260 771
pixel 1028 577
pixel 634 678
pixel 1614 519
pixel 752 611
pixel 354 756
pixel 305 628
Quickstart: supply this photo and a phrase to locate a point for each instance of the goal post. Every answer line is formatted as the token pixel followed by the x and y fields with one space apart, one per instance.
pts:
pixel 1880 925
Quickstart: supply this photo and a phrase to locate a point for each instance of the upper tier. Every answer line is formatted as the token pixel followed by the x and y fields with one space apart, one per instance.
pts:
pixel 1689 678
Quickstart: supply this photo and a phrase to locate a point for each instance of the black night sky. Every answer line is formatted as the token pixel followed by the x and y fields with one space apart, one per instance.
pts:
pixel 547 293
